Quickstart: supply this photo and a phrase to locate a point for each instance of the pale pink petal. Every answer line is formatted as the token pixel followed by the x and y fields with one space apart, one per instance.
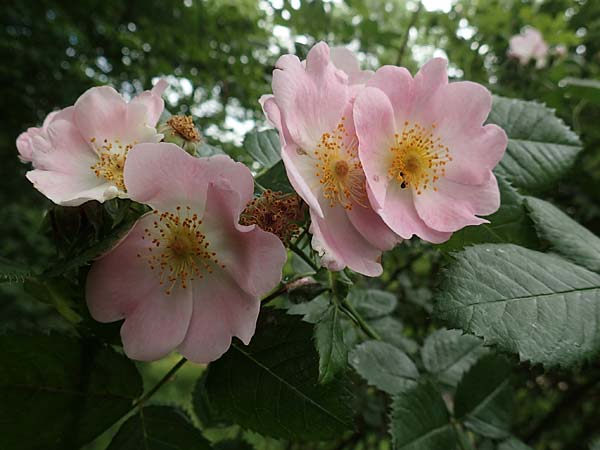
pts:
pixel 372 228
pixel 311 99
pixel 344 59
pixel 271 110
pixel 71 189
pixel 24 144
pixel 153 102
pixel 456 205
pixel 158 325
pixel 401 216
pixel 428 80
pixel 340 244
pixel 374 120
pixel 475 153
pixel 253 257
pixel 165 176
pixel 397 84
pixel 102 114
pixel 221 310
pixel 301 172
pixel 109 292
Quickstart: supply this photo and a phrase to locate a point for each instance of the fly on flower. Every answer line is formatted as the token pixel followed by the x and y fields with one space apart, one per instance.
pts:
pixel 311 107
pixel 426 153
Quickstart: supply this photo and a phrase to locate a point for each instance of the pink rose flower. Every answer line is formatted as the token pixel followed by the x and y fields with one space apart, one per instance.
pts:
pixel 527 46
pixel 426 153
pixel 311 106
pixel 79 153
pixel 187 276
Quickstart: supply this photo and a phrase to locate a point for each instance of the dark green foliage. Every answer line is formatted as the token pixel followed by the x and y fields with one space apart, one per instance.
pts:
pixel 158 428
pixel 59 393
pixel 272 386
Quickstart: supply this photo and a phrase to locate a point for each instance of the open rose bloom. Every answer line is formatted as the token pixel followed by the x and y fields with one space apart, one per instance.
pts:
pixel 79 152
pixel 427 156
pixel 311 107
pixel 187 276
pixel 527 46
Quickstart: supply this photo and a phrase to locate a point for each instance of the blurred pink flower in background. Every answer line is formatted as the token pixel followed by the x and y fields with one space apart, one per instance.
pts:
pixel 427 156
pixel 527 46
pixel 188 276
pixel 311 107
pixel 80 151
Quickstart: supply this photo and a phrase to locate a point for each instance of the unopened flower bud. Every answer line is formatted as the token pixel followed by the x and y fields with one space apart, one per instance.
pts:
pixel 180 130
pixel 277 213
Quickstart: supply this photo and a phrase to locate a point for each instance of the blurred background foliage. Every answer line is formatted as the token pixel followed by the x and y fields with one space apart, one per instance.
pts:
pixel 217 56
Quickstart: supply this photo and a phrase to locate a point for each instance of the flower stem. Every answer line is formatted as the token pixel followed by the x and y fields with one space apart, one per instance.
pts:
pixel 359 320
pixel 157 386
pixel 301 254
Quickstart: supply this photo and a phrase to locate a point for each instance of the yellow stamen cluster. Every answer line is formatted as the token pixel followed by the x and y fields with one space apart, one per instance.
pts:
pixel 184 127
pixel 420 158
pixel 338 169
pixel 178 249
pixel 277 213
pixel 111 161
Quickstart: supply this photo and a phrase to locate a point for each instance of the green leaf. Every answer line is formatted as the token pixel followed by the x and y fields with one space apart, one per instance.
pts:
pixel 510 224
pixel 582 88
pixel 13 272
pixel 313 310
pixel 58 293
pixel 541 148
pixel 89 253
pixel 60 393
pixel 276 179
pixel 158 428
pixel 513 443
pixel 484 398
pixel 420 421
pixel 384 366
pixel 264 147
pixel 566 236
pixel 205 150
pixel 329 340
pixel 538 305
pixel 390 330
pixel 271 386
pixel 372 303
pixel 447 354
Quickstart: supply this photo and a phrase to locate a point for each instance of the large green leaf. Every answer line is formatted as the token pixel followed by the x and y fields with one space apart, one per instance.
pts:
pixel 59 393
pixel 513 443
pixel 510 224
pixel 447 354
pixel 264 147
pixel 158 428
pixel 541 148
pixel 566 236
pixel 384 366
pixel 13 272
pixel 420 421
pixel 538 305
pixel 372 303
pixel 329 339
pixel 484 398
pixel 271 386
pixel 275 179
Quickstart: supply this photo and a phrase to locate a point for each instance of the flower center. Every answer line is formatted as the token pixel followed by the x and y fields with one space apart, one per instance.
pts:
pixel 338 169
pixel 178 250
pixel 111 161
pixel 420 158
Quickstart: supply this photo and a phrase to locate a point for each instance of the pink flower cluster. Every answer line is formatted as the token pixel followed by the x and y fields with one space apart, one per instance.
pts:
pixel 383 156
pixel 528 46
pixel 187 276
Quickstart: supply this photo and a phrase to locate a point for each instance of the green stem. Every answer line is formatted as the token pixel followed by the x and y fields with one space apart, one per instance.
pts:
pixel 301 254
pixel 157 386
pixel 358 319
